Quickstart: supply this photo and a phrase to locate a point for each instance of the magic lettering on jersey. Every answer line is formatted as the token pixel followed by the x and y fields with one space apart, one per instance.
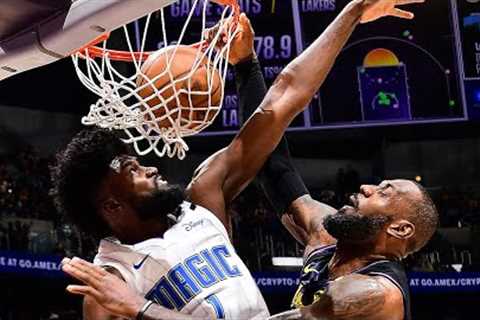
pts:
pixel 187 279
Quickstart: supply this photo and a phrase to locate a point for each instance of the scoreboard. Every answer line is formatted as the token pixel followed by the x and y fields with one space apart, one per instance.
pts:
pixel 275 43
pixel 390 72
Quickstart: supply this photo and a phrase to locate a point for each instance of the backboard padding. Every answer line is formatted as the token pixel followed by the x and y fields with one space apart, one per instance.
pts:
pixel 20 15
pixel 65 30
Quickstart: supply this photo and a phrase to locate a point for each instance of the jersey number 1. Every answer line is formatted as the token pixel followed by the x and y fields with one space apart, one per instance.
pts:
pixel 216 305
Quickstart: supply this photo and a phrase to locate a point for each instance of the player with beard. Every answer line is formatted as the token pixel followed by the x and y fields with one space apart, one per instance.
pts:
pixel 352 259
pixel 152 269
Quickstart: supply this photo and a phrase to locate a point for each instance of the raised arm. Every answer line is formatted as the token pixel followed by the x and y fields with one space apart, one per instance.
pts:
pixel 221 177
pixel 302 215
pixel 225 174
pixel 283 185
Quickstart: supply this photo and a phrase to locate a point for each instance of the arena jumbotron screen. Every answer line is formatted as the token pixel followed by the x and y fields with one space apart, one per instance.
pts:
pixel 376 79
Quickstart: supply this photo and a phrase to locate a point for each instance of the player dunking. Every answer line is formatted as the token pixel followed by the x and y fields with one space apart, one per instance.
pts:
pixel 190 267
pixel 352 261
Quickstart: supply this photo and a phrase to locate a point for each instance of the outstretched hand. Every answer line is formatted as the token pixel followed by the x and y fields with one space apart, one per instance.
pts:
pixel 108 290
pixel 376 9
pixel 241 47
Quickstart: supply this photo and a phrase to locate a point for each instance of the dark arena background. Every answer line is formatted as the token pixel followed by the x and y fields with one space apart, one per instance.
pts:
pixel 403 101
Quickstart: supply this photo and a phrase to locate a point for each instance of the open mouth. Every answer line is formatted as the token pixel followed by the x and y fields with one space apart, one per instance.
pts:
pixel 353 200
pixel 160 181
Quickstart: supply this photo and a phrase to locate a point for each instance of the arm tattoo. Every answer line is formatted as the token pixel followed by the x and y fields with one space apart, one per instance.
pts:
pixel 359 306
pixel 353 297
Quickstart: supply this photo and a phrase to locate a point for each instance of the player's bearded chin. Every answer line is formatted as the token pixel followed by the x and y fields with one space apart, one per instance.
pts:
pixel 352 227
pixel 160 203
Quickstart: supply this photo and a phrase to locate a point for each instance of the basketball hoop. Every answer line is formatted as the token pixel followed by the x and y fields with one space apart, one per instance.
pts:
pixel 120 105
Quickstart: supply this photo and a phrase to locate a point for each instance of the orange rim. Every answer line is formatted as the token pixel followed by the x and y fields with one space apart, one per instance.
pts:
pixel 92 50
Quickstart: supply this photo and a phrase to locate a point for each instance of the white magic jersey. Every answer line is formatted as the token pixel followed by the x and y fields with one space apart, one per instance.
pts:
pixel 193 269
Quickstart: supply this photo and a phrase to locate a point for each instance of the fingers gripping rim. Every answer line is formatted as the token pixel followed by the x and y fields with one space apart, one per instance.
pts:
pixel 139 119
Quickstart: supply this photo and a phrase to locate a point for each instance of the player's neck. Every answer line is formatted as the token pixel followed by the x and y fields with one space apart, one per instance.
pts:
pixel 141 231
pixel 349 258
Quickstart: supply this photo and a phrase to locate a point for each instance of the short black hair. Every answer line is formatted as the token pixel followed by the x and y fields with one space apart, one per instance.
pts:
pixel 425 217
pixel 77 174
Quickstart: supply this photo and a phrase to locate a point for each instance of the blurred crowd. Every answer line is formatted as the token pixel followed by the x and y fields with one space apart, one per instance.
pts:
pixel 24 185
pixel 29 222
pixel 26 206
pixel 258 233
pixel 458 206
pixel 15 235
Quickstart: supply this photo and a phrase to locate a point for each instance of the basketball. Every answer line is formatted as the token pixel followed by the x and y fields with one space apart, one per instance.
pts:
pixel 185 92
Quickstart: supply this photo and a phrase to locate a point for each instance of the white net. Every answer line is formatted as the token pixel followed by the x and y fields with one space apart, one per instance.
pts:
pixel 156 118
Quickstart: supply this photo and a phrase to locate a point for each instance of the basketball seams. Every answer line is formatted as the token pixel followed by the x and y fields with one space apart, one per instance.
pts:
pixel 190 117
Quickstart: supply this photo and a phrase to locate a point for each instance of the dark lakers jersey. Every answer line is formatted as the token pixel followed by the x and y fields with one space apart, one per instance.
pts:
pixel 314 277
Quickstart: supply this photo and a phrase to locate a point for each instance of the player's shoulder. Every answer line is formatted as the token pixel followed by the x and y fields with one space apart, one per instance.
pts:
pixel 195 216
pixel 118 259
pixel 323 252
pixel 393 297
pixel 388 286
pixel 379 298
pixel 392 275
pixel 112 249
pixel 111 245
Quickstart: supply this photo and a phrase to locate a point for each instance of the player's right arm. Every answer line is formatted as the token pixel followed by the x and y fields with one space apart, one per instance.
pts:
pixel 92 310
pixel 353 297
pixel 301 215
pixel 224 175
pixel 283 185
pixel 108 297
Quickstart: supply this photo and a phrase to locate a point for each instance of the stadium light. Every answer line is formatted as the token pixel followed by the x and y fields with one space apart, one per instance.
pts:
pixel 287 261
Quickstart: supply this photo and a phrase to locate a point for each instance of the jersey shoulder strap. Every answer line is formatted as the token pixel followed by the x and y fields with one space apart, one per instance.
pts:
pixel 314 276
pixel 394 272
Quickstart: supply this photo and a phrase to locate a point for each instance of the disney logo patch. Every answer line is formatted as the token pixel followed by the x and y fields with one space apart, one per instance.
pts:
pixel 189 226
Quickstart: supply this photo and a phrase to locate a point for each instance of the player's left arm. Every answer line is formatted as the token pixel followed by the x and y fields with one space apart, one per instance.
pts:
pixel 206 187
pixel 353 297
pixel 219 179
